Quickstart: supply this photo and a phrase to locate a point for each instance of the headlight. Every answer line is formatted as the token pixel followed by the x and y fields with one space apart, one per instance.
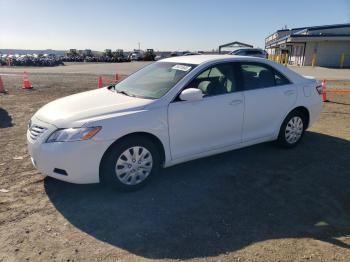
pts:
pixel 73 134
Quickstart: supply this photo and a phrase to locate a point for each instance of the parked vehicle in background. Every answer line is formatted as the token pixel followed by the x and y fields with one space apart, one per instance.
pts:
pixel 119 56
pixel 135 56
pixel 159 57
pixel 124 58
pixel 174 110
pixel 149 55
pixel 73 56
pixel 256 52
pixel 108 56
pixel 175 53
pixel 191 53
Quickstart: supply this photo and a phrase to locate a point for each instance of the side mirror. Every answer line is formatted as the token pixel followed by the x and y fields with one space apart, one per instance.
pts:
pixel 191 94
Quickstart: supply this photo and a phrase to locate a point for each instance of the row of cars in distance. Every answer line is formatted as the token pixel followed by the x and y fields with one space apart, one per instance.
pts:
pixel 108 57
pixel 30 60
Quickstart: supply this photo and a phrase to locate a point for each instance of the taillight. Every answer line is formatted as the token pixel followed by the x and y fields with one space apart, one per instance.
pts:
pixel 319 89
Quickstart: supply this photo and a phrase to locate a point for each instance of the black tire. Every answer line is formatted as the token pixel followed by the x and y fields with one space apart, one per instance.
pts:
pixel 282 139
pixel 108 174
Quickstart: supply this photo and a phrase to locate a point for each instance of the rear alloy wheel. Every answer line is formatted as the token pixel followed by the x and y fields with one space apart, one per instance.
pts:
pixel 130 163
pixel 292 129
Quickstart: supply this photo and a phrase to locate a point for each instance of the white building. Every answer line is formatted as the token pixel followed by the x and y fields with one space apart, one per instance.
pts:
pixel 327 45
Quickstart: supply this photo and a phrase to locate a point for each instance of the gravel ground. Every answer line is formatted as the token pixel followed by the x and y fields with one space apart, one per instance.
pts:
pixel 261 203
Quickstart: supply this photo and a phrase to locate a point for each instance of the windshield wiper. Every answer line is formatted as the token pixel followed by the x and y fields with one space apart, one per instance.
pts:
pixel 110 87
pixel 113 87
pixel 123 92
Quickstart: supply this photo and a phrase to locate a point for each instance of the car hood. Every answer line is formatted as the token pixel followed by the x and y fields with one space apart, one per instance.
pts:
pixel 78 109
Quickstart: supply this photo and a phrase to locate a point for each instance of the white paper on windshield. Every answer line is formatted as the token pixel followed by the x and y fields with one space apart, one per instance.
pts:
pixel 184 68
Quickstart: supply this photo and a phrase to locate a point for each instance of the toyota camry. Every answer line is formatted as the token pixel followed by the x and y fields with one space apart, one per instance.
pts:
pixel 171 111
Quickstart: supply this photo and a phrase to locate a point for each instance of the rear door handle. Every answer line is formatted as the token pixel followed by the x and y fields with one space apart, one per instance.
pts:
pixel 289 92
pixel 236 102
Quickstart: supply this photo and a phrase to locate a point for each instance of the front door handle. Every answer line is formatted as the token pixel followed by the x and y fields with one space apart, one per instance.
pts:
pixel 236 102
pixel 289 92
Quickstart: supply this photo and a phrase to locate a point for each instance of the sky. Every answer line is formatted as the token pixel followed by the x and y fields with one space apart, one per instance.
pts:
pixel 194 25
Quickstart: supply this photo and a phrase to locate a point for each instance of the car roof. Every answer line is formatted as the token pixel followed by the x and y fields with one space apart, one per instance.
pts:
pixel 203 59
pixel 200 59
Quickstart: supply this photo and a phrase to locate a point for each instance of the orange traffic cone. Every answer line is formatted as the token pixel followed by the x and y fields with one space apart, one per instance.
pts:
pixel 26 83
pixel 2 89
pixel 324 91
pixel 100 82
pixel 117 78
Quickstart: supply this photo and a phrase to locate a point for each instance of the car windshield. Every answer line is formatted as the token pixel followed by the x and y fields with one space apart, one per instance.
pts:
pixel 153 81
pixel 236 52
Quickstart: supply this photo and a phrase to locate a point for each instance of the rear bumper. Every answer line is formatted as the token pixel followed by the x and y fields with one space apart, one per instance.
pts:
pixel 315 110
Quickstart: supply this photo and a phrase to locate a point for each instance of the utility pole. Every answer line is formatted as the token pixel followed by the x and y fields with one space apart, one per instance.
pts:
pixel 139 46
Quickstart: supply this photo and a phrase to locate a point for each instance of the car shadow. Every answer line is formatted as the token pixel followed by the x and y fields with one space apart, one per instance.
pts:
pixel 222 203
pixel 5 119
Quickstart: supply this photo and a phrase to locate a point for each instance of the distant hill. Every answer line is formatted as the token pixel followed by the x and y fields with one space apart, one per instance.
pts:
pixel 28 51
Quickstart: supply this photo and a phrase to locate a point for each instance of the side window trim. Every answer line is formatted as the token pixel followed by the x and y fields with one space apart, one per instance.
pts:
pixel 237 74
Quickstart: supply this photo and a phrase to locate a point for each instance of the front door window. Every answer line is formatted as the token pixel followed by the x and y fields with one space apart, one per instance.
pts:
pixel 216 80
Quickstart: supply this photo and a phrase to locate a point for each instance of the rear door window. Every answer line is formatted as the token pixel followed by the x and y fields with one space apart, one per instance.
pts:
pixel 255 76
pixel 281 80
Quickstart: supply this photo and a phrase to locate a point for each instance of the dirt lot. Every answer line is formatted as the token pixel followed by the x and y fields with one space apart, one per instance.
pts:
pixel 260 203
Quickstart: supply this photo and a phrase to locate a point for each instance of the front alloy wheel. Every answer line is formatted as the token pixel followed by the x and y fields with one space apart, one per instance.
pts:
pixel 130 163
pixel 134 165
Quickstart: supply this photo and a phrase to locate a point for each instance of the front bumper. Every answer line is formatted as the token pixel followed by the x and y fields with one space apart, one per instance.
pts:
pixel 80 160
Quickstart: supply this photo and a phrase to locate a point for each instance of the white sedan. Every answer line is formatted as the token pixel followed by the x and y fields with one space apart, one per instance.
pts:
pixel 169 112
